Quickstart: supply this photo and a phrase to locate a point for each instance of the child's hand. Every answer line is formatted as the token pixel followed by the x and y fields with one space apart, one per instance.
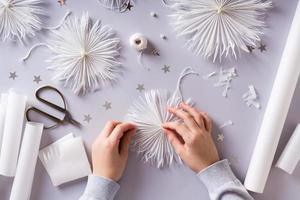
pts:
pixel 192 139
pixel 110 150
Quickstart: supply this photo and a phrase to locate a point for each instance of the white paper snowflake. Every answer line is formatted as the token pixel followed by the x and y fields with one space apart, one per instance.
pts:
pixel 20 19
pixel 115 5
pixel 84 54
pixel 219 28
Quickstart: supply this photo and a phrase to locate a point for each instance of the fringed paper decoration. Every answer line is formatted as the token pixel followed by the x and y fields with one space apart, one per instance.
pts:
pixel 20 19
pixel 84 54
pixel 148 112
pixel 115 5
pixel 219 28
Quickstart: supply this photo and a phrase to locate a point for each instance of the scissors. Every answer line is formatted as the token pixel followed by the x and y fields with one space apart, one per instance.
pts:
pixel 67 116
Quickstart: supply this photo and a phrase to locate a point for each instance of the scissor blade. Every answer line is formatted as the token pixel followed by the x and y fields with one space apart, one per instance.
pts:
pixel 68 118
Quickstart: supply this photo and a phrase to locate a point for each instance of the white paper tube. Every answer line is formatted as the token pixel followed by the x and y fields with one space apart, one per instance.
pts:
pixel 138 42
pixel 291 153
pixel 22 185
pixel 276 110
pixel 3 105
pixel 12 133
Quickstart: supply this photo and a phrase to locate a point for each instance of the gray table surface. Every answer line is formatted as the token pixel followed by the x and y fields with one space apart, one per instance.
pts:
pixel 142 181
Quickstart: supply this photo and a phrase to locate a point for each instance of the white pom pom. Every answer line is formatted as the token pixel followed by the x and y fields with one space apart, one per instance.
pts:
pixel 138 42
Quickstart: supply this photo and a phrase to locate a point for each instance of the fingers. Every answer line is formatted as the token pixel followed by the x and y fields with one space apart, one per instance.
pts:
pixel 119 131
pixel 181 129
pixel 208 122
pixel 195 113
pixel 175 141
pixel 125 142
pixel 109 127
pixel 186 117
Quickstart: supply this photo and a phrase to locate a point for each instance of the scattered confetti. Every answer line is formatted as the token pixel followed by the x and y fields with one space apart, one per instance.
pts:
pixel 87 118
pixel 209 75
pixel 107 105
pixel 251 97
pixel 262 47
pixel 13 75
pixel 166 69
pixel 250 48
pixel 225 78
pixel 155 52
pixel 140 87
pixel 162 36
pixel 225 124
pixel 129 6
pixel 62 2
pixel 37 79
pixel 153 14
pixel 220 137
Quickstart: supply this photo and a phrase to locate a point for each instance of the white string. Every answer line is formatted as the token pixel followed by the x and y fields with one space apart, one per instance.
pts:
pixel 26 57
pixel 140 60
pixel 62 21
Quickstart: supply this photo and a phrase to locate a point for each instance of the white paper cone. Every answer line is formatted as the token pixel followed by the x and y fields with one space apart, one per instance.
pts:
pixel 3 105
pixel 291 153
pixel 22 185
pixel 276 110
pixel 12 133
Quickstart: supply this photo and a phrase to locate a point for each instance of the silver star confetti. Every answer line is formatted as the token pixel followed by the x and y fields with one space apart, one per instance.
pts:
pixel 107 105
pixel 220 137
pixel 262 47
pixel 37 79
pixel 87 118
pixel 140 87
pixel 166 69
pixel 13 75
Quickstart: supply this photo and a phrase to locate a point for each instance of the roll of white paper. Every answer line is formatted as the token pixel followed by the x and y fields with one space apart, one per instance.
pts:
pixel 3 105
pixel 276 110
pixel 12 133
pixel 291 153
pixel 22 185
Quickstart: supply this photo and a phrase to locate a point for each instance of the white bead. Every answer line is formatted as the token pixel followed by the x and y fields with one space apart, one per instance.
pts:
pixel 153 14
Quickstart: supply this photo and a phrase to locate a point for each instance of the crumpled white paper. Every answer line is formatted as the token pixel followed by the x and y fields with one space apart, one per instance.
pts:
pixel 65 160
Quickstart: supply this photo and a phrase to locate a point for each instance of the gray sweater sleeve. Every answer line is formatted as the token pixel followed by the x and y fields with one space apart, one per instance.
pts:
pixel 222 184
pixel 99 188
pixel 218 178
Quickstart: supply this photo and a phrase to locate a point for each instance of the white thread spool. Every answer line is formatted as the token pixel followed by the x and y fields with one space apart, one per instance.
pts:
pixel 139 42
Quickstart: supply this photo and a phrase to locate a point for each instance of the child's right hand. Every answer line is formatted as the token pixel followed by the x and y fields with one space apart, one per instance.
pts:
pixel 192 139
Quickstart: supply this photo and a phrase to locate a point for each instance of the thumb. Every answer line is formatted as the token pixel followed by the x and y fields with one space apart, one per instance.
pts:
pixel 174 140
pixel 125 142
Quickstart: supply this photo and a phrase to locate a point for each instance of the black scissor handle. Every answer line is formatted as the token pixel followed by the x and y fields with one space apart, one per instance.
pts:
pixel 56 107
pixel 51 117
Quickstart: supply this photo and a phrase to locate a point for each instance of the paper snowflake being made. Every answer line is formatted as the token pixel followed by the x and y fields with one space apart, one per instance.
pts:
pixel 148 113
pixel 219 28
pixel 20 19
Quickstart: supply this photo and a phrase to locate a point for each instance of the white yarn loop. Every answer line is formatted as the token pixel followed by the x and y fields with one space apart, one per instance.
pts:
pixel 62 21
pixel 26 57
pixel 148 112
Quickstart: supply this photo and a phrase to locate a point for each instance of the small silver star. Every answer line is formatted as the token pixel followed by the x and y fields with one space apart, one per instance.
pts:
pixel 87 118
pixel 166 69
pixel 107 105
pixel 262 47
pixel 140 87
pixel 220 137
pixel 37 79
pixel 13 75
